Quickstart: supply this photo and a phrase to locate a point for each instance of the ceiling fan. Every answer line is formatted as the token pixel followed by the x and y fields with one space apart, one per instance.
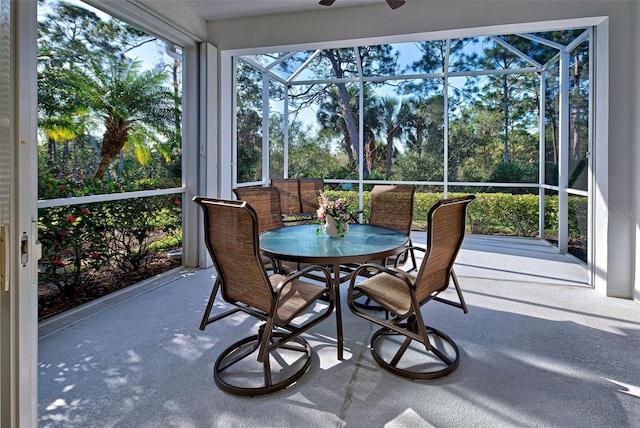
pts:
pixel 393 4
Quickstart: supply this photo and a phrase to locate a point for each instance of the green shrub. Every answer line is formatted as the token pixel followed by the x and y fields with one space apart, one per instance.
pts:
pixel 493 213
pixel 480 217
pixel 513 172
pixel 52 188
pixel 136 223
pixel 578 211
pixel 75 248
pixel 518 214
pixel 79 242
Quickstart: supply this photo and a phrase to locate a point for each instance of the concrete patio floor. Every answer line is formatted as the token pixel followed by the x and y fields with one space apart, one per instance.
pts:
pixel 539 348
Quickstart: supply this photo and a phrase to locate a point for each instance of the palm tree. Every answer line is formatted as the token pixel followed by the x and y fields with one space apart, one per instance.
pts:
pixel 132 106
pixel 395 114
pixel 332 116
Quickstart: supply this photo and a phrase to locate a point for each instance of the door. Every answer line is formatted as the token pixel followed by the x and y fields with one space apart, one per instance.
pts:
pixel 18 214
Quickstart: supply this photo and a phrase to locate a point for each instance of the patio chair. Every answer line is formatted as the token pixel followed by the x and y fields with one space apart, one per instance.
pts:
pixel 392 206
pixel 310 190
pixel 266 202
pixel 289 195
pixel 277 356
pixel 405 345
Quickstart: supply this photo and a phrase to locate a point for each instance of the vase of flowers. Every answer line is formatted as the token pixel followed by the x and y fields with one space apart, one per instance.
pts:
pixel 333 228
pixel 333 216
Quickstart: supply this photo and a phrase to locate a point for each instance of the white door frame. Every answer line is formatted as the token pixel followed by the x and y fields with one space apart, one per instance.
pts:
pixel 19 295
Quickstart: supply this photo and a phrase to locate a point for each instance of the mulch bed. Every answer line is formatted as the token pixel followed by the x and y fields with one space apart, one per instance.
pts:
pixel 52 302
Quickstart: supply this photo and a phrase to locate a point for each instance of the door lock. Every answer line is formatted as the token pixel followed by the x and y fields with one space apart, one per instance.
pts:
pixel 24 249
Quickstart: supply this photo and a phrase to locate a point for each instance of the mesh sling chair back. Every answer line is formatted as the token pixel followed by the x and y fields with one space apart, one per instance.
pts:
pixel 289 195
pixel 392 206
pixel 266 202
pixel 405 345
pixel 310 190
pixel 277 356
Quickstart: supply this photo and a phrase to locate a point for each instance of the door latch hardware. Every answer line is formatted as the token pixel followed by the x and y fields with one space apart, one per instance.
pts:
pixel 24 249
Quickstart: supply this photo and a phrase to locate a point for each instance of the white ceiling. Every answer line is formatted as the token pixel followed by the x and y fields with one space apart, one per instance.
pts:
pixel 211 10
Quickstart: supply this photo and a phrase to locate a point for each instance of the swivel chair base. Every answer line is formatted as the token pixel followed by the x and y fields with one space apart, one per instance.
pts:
pixel 238 371
pixel 410 358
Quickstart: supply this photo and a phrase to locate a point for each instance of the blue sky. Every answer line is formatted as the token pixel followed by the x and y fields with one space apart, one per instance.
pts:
pixel 150 54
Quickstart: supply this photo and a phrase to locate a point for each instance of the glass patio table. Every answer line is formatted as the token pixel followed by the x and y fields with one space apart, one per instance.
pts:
pixel 302 244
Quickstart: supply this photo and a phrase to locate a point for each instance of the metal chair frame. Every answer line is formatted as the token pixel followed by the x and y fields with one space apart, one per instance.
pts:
pixel 392 206
pixel 403 295
pixel 277 300
pixel 299 198
pixel 266 202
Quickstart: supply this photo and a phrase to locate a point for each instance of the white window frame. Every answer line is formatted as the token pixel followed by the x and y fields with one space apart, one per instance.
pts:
pixel 598 168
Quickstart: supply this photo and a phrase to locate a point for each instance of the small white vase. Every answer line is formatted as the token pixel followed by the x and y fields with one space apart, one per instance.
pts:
pixel 331 227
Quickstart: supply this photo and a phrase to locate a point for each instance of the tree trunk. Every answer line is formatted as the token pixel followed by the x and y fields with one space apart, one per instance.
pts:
pixel 369 153
pixel 113 141
pixel 554 135
pixel 104 164
pixel 390 138
pixel 177 112
pixel 576 111
pixel 346 146
pixel 505 111
pixel 53 155
pixel 343 98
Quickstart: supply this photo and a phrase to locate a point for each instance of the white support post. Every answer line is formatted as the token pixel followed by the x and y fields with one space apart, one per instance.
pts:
pixel 207 155
pixel 360 132
pixel 285 149
pixel 445 93
pixel 265 127
pixel 227 151
pixel 361 148
pixel 563 154
pixel 542 155
pixel 590 142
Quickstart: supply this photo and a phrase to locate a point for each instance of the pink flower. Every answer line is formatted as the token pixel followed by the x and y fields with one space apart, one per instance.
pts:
pixel 178 202
pixel 94 255
pixel 57 261
pixel 339 209
pixel 84 211
pixel 71 219
pixel 62 187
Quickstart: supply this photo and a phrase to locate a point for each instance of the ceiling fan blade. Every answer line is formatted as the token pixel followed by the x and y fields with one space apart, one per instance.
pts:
pixel 394 4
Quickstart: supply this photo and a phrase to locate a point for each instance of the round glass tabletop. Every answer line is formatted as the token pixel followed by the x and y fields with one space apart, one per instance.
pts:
pixel 302 243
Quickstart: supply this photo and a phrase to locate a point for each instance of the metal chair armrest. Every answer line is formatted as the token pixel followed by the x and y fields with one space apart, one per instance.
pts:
pixel 407 250
pixel 378 269
pixel 304 272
